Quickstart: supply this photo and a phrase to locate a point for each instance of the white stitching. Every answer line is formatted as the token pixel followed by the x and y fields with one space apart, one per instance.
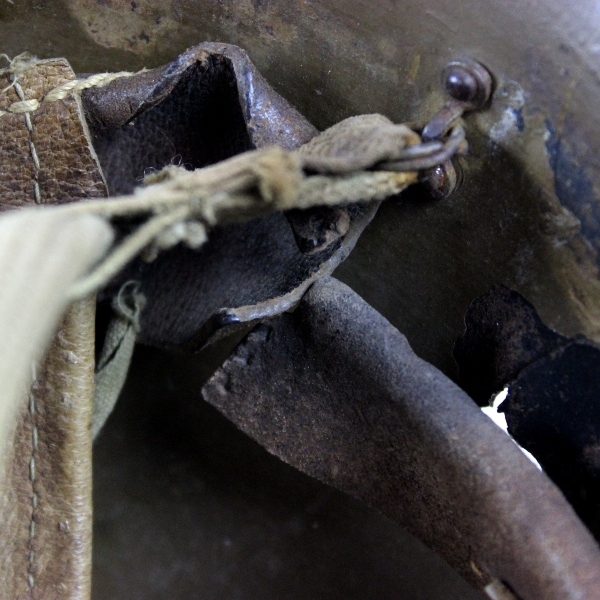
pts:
pixel 25 107
pixel 60 92
pixel 32 472
pixel 36 161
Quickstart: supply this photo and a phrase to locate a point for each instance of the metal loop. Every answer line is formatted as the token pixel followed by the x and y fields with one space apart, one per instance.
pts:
pixel 428 155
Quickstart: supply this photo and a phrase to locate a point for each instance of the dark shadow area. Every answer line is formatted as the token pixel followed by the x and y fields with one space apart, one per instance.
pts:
pixel 198 124
pixel 186 506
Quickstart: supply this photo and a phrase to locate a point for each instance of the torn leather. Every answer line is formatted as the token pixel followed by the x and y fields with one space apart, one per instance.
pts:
pixel 207 105
pixel 552 405
pixel 503 334
pixel 334 390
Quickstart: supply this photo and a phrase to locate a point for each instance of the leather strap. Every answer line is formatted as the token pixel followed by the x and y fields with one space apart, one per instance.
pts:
pixel 45 506
pixel 45 155
pixel 46 510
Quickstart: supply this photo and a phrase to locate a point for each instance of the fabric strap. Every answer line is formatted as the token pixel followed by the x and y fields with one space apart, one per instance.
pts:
pixel 115 357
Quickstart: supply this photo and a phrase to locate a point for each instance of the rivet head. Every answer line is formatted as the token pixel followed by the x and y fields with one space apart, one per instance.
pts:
pixel 461 85
pixel 468 81
pixel 441 181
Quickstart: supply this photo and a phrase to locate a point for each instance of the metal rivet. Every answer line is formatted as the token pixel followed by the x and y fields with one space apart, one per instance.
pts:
pixel 441 181
pixel 461 84
pixel 468 82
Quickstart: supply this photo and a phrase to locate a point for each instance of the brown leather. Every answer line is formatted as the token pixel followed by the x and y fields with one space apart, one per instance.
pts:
pixel 209 104
pixel 336 391
pixel 67 164
pixel 45 507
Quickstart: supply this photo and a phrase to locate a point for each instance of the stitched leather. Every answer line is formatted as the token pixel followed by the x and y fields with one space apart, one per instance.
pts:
pixel 45 508
pixel 67 166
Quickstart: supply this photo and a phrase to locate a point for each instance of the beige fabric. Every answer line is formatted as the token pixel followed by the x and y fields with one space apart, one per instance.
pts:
pixel 45 455
pixel 181 205
pixel 357 143
pixel 41 254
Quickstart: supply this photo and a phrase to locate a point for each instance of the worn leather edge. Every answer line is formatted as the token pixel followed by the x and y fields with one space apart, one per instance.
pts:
pixel 336 391
pixel 46 508
pixel 61 546
pixel 117 103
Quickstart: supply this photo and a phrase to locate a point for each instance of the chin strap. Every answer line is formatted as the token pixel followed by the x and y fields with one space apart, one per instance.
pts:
pixel 115 357
pixel 40 256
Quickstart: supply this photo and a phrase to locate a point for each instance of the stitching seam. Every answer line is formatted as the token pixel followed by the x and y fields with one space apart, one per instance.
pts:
pixel 63 91
pixel 34 496
pixel 36 161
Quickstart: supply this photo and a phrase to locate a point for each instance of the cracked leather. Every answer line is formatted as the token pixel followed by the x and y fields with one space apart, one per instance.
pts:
pixel 207 105
pixel 45 508
pixel 336 391
pixel 68 168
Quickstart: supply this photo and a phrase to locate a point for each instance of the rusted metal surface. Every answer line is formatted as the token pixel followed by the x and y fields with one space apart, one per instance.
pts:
pixel 318 228
pixel 336 391
pixel 468 81
pixel 441 181
pixel 469 85
pixel 552 405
